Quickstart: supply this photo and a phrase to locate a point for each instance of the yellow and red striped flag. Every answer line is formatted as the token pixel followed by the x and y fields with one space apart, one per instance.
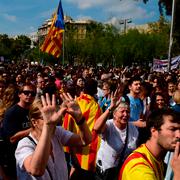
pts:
pixel 53 42
pixel 86 155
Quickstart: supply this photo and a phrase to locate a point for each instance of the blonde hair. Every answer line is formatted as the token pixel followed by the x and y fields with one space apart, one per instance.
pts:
pixel 122 104
pixel 34 112
pixel 176 96
pixel 10 97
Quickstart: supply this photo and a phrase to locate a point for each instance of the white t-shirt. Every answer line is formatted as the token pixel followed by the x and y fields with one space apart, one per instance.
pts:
pixel 57 168
pixel 112 143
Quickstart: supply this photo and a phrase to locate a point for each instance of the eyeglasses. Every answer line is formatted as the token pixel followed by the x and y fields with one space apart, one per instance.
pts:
pixel 26 92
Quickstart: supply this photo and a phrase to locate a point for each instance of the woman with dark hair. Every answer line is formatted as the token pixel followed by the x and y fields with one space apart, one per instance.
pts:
pixel 79 86
pixel 158 101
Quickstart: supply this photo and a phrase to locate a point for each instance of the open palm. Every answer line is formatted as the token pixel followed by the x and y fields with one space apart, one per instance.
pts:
pixel 72 106
pixel 48 110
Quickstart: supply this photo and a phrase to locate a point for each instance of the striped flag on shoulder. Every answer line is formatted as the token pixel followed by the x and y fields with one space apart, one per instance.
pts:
pixel 53 42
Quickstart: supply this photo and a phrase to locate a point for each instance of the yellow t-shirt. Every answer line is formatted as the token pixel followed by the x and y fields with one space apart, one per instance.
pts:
pixel 142 165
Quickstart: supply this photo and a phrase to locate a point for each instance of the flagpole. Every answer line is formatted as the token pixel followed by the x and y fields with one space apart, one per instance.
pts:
pixel 171 36
pixel 63 49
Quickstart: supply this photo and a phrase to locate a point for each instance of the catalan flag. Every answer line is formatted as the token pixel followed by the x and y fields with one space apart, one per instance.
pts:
pixel 86 156
pixel 54 40
pixel 141 164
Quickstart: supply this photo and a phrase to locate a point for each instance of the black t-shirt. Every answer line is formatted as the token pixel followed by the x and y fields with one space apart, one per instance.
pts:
pixel 15 120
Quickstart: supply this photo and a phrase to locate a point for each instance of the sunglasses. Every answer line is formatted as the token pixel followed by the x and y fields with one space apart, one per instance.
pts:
pixel 26 92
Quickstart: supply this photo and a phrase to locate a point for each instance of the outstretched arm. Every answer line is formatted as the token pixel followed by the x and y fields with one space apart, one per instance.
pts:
pixel 139 123
pixel 100 124
pixel 19 135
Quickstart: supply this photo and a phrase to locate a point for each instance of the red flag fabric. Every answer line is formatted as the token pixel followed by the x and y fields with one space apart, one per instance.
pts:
pixel 53 42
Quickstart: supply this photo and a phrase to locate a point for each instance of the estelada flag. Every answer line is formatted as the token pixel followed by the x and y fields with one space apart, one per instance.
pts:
pixel 54 40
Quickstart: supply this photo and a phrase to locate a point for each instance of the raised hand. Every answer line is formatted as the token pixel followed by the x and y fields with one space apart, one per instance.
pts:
pixel 114 100
pixel 48 110
pixel 72 107
pixel 175 162
pixel 120 90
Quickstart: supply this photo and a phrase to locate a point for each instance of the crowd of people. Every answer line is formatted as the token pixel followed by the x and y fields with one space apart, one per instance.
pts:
pixel 93 123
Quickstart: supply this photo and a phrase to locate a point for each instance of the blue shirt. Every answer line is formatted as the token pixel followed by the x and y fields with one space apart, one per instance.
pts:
pixel 136 108
pixel 176 107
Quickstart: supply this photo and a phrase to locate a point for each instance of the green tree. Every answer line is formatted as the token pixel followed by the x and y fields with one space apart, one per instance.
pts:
pixel 102 44
pixel 19 46
pixel 165 7
pixel 5 46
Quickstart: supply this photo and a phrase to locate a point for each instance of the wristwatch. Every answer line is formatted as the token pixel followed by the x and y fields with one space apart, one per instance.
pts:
pixel 110 110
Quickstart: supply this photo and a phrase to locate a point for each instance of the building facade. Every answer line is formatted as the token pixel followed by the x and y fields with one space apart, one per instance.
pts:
pixel 78 26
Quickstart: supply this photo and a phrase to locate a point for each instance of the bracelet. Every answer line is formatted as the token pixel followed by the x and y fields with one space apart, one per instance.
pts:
pixel 81 121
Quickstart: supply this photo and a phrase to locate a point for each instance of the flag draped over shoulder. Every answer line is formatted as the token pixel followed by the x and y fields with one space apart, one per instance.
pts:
pixel 54 40
pixel 86 155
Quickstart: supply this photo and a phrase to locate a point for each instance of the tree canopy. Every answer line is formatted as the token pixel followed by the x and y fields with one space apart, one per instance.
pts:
pixel 165 7
pixel 102 43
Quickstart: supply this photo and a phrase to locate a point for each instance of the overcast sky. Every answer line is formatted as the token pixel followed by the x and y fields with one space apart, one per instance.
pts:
pixel 25 16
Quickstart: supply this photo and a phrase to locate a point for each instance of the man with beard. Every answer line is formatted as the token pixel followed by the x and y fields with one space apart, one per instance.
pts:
pixel 146 162
pixel 16 125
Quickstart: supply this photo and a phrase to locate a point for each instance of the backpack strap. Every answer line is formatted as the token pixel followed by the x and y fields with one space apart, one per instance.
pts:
pixel 49 172
pixel 32 140
pixel 120 163
pixel 126 98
